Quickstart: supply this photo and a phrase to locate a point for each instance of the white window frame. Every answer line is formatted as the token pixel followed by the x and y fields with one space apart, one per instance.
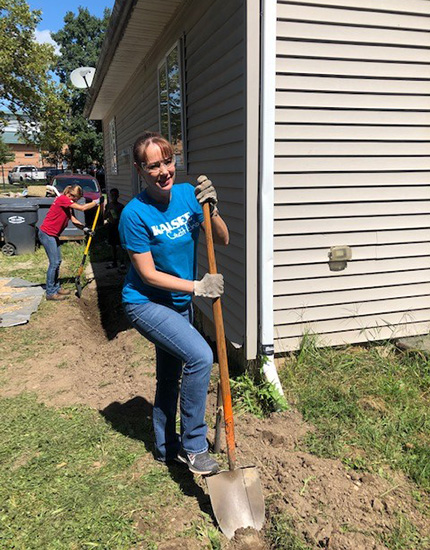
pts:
pixel 179 44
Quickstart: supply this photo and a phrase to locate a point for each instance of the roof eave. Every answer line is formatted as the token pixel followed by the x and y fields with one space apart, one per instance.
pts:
pixel 121 13
pixel 116 66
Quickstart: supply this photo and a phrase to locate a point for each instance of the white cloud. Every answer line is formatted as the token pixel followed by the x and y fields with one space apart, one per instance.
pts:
pixel 44 37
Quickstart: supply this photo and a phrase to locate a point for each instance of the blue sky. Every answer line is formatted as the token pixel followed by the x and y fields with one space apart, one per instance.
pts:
pixel 53 12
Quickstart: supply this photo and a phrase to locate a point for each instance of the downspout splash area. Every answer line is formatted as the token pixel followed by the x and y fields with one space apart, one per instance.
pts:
pixel 266 199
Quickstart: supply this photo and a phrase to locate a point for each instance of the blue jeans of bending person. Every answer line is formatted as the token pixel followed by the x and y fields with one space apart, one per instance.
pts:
pixel 184 364
pixel 53 251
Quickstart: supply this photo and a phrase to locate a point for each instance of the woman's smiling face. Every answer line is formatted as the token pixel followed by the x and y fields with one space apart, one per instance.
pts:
pixel 158 174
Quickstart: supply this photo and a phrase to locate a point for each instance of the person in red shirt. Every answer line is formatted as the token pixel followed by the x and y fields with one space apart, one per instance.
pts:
pixel 53 225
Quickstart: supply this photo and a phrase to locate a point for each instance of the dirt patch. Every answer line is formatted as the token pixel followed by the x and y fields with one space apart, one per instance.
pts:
pixel 88 365
pixel 247 539
pixel 98 360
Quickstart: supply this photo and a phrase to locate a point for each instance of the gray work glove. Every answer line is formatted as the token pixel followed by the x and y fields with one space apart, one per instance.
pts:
pixel 89 232
pixel 205 191
pixel 211 286
pixel 53 190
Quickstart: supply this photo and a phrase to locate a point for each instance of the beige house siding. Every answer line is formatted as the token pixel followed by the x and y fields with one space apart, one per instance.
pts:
pixel 213 35
pixel 352 168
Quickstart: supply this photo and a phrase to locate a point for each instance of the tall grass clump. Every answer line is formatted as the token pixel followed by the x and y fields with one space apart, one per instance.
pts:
pixel 256 395
pixel 370 404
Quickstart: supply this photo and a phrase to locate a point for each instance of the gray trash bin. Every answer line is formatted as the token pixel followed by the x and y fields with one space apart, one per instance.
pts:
pixel 19 228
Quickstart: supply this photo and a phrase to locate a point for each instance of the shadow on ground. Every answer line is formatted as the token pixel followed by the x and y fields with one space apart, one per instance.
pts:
pixel 112 316
pixel 101 300
pixel 134 419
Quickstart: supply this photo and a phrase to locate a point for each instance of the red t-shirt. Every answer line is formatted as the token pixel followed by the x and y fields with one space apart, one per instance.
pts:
pixel 58 216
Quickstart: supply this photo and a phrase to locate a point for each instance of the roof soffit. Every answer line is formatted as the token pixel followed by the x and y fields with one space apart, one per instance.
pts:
pixel 134 28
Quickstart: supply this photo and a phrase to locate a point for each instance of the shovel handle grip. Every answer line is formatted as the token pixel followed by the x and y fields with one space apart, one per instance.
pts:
pixel 221 346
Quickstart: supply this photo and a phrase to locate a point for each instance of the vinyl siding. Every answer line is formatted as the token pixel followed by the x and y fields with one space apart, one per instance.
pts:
pixel 215 85
pixel 135 111
pixel 214 46
pixel 352 168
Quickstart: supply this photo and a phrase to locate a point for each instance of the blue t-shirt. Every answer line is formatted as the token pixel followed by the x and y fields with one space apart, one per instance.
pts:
pixel 170 232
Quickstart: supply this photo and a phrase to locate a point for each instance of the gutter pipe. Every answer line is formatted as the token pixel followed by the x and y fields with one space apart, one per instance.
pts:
pixel 267 155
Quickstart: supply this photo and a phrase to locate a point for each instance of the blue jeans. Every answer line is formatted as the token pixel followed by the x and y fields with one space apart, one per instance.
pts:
pixel 53 251
pixel 180 350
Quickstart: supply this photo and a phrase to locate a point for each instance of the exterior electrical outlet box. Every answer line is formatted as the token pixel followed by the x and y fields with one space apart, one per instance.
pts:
pixel 340 253
pixel 339 256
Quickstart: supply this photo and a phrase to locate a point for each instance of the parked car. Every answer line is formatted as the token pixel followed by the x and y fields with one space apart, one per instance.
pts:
pixel 41 174
pixel 52 172
pixel 21 173
pixel 90 187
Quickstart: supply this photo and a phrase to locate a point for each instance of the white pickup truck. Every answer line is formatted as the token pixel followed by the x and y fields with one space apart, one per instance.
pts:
pixel 19 174
pixel 28 172
pixel 39 174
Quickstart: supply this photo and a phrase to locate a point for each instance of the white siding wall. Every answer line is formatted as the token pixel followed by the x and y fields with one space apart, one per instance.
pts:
pixel 213 33
pixel 352 168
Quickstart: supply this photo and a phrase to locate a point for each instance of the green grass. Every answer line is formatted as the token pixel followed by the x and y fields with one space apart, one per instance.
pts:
pixel 370 405
pixel 207 534
pixel 69 481
pixel 32 267
pixel 281 534
pixel 8 187
pixel 255 395
pixel 403 536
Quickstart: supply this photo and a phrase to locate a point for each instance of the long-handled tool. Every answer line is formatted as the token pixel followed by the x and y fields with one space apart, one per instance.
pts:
pixel 236 496
pixel 218 420
pixel 78 284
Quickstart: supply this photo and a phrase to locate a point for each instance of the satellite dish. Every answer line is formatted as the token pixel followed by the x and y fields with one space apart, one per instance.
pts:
pixel 82 77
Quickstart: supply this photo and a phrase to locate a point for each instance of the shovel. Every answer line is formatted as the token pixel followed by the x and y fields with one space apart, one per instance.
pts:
pixel 236 496
pixel 78 284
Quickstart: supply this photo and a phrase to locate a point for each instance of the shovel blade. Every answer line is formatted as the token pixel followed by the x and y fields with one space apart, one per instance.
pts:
pixel 237 499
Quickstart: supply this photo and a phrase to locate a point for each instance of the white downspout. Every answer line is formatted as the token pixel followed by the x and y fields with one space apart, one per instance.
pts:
pixel 267 156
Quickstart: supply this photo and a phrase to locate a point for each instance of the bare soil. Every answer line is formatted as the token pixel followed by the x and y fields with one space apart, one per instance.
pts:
pixel 100 361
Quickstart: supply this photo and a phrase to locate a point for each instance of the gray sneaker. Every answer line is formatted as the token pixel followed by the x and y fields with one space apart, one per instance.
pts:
pixel 201 464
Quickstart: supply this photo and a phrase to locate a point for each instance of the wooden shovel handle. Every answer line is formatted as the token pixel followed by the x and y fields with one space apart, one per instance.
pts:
pixel 221 346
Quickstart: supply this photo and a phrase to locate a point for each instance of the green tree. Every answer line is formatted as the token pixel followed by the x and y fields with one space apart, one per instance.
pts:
pixel 6 155
pixel 80 42
pixel 26 86
pixel 53 128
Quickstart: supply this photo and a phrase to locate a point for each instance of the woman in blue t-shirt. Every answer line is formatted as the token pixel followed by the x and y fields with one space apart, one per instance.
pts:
pixel 159 229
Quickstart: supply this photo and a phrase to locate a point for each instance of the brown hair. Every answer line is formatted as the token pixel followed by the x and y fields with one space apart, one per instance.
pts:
pixel 75 190
pixel 142 142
